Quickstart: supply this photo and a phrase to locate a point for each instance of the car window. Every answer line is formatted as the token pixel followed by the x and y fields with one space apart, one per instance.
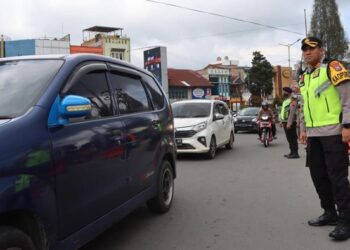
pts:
pixel 216 108
pixel 129 93
pixel 23 82
pixel 249 112
pixel 222 109
pixel 154 92
pixel 93 86
pixel 191 110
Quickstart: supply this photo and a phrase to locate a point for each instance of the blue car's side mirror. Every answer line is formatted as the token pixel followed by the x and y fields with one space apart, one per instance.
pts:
pixel 70 106
pixel 75 106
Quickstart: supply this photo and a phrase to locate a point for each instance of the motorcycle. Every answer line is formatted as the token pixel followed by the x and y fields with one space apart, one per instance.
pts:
pixel 265 128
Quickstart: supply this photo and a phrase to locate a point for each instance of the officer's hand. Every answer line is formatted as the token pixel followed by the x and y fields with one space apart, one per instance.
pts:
pixel 302 137
pixel 345 135
pixel 288 127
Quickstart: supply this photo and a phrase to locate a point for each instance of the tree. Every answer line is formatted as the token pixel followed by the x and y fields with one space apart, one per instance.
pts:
pixel 326 25
pixel 259 77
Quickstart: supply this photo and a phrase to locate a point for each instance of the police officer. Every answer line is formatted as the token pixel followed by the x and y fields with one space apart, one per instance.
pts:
pixel 325 126
pixel 289 122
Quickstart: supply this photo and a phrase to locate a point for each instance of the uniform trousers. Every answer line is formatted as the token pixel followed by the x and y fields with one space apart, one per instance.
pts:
pixel 328 163
pixel 292 137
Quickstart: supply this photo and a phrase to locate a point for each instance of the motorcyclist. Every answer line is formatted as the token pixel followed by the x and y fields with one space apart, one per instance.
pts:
pixel 265 110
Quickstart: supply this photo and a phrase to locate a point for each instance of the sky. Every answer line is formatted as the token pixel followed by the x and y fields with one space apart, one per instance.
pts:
pixel 193 39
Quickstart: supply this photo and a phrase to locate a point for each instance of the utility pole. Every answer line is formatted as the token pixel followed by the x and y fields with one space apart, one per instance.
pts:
pixel 288 46
pixel 2 52
pixel 305 22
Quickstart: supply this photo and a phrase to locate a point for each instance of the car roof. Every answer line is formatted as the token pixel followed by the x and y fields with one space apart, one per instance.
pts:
pixel 79 57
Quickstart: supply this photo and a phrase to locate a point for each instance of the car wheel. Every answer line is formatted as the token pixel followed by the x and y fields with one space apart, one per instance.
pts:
pixel 14 239
pixel 229 145
pixel 161 203
pixel 212 148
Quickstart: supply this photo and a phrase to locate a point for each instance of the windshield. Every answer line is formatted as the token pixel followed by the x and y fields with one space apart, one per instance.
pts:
pixel 249 112
pixel 22 83
pixel 191 110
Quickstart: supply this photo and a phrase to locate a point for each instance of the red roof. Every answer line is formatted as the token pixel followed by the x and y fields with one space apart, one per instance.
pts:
pixel 186 78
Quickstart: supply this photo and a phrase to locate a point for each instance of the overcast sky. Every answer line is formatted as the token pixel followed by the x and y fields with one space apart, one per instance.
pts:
pixel 193 39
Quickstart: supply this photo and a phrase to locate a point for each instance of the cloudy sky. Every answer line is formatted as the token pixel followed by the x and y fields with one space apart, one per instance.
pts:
pixel 193 39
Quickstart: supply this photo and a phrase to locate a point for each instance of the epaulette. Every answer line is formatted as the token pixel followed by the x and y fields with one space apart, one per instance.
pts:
pixel 337 73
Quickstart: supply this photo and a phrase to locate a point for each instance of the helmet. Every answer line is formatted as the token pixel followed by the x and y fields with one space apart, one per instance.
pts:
pixel 264 105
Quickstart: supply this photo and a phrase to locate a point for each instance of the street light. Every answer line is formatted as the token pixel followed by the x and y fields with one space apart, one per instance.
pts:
pixel 289 45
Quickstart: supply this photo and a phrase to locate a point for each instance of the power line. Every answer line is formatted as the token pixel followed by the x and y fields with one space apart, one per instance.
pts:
pixel 205 36
pixel 223 16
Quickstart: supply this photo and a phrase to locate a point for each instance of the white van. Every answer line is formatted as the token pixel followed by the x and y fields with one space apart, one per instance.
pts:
pixel 201 126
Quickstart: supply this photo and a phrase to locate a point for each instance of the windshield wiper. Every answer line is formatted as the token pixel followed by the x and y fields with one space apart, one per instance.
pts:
pixel 5 117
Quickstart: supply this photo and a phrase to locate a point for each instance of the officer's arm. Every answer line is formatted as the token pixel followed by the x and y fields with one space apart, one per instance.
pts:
pixel 292 112
pixel 302 135
pixel 344 94
pixel 340 78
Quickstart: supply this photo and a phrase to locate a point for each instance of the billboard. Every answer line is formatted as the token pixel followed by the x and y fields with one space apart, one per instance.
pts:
pixel 155 61
pixel 200 93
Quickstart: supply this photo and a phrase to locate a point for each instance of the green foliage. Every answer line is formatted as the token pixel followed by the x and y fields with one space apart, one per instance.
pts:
pixel 326 25
pixel 255 100
pixel 259 77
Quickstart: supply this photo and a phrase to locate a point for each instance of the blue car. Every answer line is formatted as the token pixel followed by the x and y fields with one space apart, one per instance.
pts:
pixel 85 139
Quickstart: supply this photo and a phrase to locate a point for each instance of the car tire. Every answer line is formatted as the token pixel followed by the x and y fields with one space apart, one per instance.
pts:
pixel 229 145
pixel 212 148
pixel 13 238
pixel 161 203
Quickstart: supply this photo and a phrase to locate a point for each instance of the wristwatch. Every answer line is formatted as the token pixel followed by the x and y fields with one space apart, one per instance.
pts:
pixel 346 125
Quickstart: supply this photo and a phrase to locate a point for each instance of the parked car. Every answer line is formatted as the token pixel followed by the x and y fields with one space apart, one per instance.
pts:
pixel 201 126
pixel 246 120
pixel 82 145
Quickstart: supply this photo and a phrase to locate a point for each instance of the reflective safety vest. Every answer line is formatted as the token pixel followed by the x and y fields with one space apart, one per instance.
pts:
pixel 285 110
pixel 322 106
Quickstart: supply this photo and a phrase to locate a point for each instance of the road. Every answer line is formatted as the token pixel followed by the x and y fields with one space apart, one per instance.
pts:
pixel 248 198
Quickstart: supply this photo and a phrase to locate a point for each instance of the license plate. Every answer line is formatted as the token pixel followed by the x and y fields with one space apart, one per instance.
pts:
pixel 178 141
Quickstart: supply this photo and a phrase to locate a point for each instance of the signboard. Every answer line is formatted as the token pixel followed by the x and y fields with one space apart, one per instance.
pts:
pixel 199 93
pixel 155 61
pixel 152 62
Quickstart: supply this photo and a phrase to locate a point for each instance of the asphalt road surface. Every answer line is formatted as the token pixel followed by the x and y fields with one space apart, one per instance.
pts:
pixel 250 197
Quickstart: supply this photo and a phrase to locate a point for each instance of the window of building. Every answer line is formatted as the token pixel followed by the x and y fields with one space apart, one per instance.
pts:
pixel 177 93
pixel 117 53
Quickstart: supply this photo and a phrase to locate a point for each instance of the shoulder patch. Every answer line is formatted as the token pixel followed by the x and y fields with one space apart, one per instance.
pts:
pixel 337 73
pixel 316 73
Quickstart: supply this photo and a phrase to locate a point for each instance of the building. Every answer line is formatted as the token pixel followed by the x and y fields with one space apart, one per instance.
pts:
pixel 219 77
pixel 282 77
pixel 237 77
pixel 36 47
pixel 74 49
pixel 187 84
pixel 110 39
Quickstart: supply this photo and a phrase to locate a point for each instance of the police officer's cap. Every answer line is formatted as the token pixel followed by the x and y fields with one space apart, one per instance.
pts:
pixel 288 90
pixel 312 42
